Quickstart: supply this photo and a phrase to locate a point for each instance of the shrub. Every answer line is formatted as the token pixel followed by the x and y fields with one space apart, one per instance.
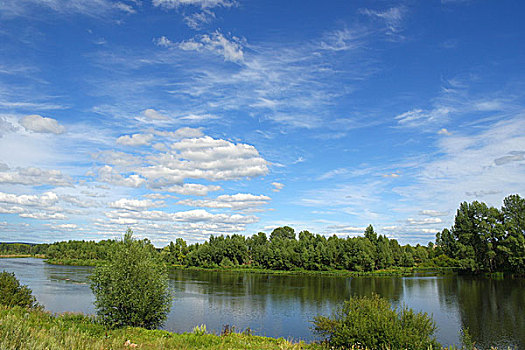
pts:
pixel 12 293
pixel 370 322
pixel 132 288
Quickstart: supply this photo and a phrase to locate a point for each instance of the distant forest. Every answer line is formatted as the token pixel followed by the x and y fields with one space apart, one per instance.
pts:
pixel 482 239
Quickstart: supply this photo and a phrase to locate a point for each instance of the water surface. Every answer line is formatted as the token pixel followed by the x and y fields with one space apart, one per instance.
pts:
pixel 283 306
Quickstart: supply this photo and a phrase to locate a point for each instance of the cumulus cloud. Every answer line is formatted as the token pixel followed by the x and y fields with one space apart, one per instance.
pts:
pixel 181 133
pixel 204 158
pixel 434 213
pixel 277 186
pixel 153 114
pixel 425 221
pixel 33 176
pixel 43 216
pixel 110 175
pixel 6 126
pixel 135 204
pixel 135 140
pixel 196 215
pixel 47 199
pixel 237 201
pixel 79 202
pixel 192 189
pixel 39 124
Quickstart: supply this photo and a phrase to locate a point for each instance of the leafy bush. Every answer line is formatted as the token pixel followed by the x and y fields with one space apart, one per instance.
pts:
pixel 370 322
pixel 132 289
pixel 14 294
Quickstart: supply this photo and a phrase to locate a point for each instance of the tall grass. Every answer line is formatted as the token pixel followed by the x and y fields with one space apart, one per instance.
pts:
pixel 38 330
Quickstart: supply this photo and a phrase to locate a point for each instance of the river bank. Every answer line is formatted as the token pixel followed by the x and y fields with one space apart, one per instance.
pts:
pixel 394 272
pixel 34 329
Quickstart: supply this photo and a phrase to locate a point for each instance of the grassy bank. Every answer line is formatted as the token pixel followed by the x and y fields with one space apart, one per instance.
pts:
pixel 76 262
pixel 25 329
pixel 395 271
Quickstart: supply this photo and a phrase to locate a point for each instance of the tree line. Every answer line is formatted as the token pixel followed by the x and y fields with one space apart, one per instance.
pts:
pixel 482 239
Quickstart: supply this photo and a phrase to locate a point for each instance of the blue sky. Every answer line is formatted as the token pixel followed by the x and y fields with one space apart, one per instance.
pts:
pixel 185 118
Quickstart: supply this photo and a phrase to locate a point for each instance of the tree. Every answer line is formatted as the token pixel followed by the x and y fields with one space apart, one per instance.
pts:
pixel 513 246
pixel 132 289
pixel 12 293
pixel 284 232
pixel 370 322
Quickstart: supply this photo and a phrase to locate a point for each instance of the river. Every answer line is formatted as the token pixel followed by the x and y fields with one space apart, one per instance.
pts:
pixel 284 305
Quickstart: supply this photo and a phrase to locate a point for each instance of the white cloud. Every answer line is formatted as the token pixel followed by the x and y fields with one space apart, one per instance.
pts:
pixel 33 176
pixel 466 166
pixel 192 189
pixel 163 42
pixel 204 4
pixel 344 39
pixel 196 215
pixel 237 201
pixel 135 140
pixel 39 124
pixel 198 19
pixel 230 49
pixel 434 213
pixel 391 175
pixel 418 117
pixel 181 133
pixel 393 17
pixel 66 227
pixel 277 186
pixel 135 204
pixel 198 117
pixel 79 202
pixel 158 196
pixel 6 126
pixel 425 221
pixel 92 8
pixel 444 131
pixel 44 216
pixel 153 114
pixel 47 199
pixel 203 158
pixel 110 175
pixel 124 7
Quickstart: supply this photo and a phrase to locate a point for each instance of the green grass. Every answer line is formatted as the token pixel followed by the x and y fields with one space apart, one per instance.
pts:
pixel 76 262
pixel 33 329
pixel 394 271
pixel 26 329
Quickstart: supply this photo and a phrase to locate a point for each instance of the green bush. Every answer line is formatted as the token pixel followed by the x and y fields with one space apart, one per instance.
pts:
pixel 132 288
pixel 370 322
pixel 14 294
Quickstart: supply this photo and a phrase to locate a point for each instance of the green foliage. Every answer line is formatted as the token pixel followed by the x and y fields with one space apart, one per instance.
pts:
pixel 370 322
pixel 12 293
pixel 132 289
pixel 199 330
pixel 485 239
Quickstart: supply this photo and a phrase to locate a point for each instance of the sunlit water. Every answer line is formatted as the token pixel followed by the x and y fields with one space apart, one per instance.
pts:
pixel 283 306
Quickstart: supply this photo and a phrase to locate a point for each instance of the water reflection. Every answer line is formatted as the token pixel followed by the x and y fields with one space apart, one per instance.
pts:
pixel 283 306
